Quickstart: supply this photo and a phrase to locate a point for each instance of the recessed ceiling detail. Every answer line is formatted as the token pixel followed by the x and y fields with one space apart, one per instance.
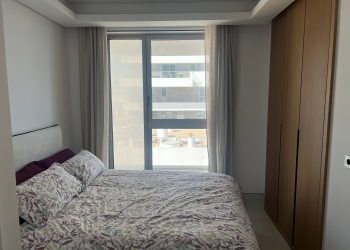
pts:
pixel 161 13
pixel 151 1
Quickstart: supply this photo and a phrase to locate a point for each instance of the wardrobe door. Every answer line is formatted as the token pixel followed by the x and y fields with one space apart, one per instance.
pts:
pixel 290 118
pixel 274 116
pixel 312 115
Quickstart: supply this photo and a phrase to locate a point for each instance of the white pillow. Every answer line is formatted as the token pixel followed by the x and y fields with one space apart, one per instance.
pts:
pixel 42 196
pixel 85 167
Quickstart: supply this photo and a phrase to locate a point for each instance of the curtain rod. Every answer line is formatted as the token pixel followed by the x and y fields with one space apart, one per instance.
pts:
pixel 153 32
pixel 197 29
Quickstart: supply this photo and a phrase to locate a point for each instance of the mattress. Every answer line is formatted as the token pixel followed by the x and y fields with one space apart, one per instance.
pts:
pixel 149 210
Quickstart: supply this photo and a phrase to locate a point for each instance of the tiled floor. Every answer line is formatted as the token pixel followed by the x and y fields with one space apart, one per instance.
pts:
pixel 267 234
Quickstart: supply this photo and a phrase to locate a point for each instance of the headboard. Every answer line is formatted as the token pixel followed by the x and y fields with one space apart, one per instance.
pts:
pixel 36 145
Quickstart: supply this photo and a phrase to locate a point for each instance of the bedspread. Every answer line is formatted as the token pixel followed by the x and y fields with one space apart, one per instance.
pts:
pixel 149 210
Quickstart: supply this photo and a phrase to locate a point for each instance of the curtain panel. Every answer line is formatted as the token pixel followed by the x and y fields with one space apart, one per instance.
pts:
pixel 220 49
pixel 94 90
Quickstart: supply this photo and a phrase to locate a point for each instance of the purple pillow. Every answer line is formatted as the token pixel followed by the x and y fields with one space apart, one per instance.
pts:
pixel 60 157
pixel 28 172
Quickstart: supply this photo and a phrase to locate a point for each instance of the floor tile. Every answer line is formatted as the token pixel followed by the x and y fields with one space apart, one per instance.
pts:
pixel 267 234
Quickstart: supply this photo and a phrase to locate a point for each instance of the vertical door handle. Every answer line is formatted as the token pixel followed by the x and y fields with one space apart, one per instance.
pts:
pixel 148 100
pixel 296 183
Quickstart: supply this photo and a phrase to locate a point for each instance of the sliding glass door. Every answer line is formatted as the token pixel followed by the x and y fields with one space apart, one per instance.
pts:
pixel 158 102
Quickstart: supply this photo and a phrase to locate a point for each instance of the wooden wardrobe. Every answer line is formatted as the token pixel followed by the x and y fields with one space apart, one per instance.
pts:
pixel 301 74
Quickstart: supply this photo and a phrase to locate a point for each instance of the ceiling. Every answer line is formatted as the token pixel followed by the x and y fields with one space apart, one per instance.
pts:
pixel 157 13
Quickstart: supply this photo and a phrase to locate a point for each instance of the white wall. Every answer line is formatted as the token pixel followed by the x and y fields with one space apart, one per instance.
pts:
pixel 35 93
pixel 38 71
pixel 252 88
pixel 9 227
pixel 337 218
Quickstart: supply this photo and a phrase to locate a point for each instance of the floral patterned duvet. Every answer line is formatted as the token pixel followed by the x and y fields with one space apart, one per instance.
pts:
pixel 149 210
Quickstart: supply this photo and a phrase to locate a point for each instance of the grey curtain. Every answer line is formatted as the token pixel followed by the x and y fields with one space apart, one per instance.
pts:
pixel 220 48
pixel 94 90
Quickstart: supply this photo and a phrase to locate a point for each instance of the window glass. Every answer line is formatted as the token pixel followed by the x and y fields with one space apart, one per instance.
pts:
pixel 156 67
pixel 127 104
pixel 173 67
pixel 163 91
pixel 165 67
pixel 202 95
pixel 178 90
pixel 180 150
pixel 153 94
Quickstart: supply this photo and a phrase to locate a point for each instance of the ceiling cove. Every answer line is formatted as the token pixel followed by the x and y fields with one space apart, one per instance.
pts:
pixel 157 13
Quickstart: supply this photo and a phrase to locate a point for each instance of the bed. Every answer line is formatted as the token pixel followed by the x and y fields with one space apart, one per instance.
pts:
pixel 149 210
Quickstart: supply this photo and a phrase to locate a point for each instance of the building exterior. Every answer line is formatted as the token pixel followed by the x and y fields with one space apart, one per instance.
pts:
pixel 178 88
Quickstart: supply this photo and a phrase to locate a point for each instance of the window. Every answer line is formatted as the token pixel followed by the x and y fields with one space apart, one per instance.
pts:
pixel 127 104
pixel 202 95
pixel 164 92
pixel 153 94
pixel 158 95
pixel 200 115
pixel 184 93
pixel 180 149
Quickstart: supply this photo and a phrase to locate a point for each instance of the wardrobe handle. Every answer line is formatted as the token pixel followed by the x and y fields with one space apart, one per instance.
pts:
pixel 296 183
pixel 279 170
